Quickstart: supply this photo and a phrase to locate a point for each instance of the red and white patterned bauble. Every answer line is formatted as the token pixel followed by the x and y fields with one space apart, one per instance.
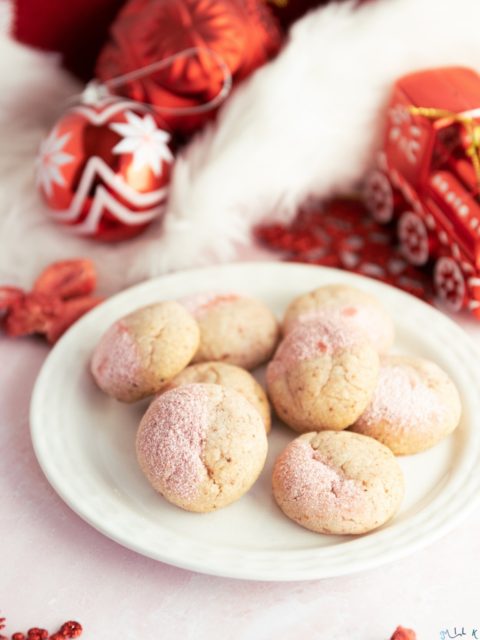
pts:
pixel 104 169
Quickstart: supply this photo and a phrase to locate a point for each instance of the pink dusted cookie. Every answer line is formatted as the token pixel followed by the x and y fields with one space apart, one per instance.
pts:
pixel 233 328
pixel 201 446
pixel 337 482
pixel 322 376
pixel 342 303
pixel 228 375
pixel 142 351
pixel 415 405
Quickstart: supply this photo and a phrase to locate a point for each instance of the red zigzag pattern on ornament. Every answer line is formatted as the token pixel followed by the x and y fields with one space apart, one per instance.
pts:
pixel 96 166
pixel 102 198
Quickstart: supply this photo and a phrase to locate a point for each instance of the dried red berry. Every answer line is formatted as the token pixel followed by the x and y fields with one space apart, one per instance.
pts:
pixel 8 297
pixel 18 636
pixel 57 636
pixel 401 633
pixel 71 629
pixel 67 279
pixel 70 312
pixel 32 314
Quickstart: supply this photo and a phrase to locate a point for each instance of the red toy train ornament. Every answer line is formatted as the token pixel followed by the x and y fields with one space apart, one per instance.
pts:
pixel 427 179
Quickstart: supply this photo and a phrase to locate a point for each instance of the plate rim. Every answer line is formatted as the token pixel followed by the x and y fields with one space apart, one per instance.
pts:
pixel 471 497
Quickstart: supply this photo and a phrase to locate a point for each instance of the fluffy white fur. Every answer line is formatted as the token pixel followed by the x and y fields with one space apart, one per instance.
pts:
pixel 304 125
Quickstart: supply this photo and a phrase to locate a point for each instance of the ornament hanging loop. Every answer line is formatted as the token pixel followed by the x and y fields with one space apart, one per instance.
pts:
pixel 96 90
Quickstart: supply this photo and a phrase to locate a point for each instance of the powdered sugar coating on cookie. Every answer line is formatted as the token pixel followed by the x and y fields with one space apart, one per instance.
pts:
pixel 337 482
pixel 311 340
pixel 236 329
pixel 199 303
pixel 171 438
pixel 414 406
pixel 342 303
pixel 143 350
pixel 116 360
pixel 201 446
pixel 314 484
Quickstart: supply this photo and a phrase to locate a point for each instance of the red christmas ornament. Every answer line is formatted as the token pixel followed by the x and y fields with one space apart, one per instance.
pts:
pixel 105 167
pixel 241 33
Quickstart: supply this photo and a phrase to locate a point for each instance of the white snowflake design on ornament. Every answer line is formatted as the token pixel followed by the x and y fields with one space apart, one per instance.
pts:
pixel 50 158
pixel 144 140
pixel 404 133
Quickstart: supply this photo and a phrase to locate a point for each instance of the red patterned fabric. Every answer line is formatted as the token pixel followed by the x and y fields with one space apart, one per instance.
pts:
pixel 342 234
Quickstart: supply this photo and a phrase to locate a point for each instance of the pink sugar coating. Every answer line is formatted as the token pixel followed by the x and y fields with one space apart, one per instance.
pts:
pixel 116 358
pixel 403 400
pixel 363 318
pixel 311 340
pixel 171 438
pixel 314 485
pixel 197 304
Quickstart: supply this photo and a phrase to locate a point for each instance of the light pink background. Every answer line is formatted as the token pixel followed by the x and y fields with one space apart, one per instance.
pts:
pixel 54 566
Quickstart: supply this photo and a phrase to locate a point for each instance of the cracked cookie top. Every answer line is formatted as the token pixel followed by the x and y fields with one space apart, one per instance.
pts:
pixel 414 406
pixel 143 350
pixel 337 482
pixel 230 376
pixel 343 304
pixel 202 446
pixel 322 376
pixel 235 329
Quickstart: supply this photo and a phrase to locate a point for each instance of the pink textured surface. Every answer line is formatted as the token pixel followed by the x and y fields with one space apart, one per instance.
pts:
pixel 365 319
pixel 200 303
pixel 403 400
pixel 316 486
pixel 55 567
pixel 116 359
pixel 170 440
pixel 311 340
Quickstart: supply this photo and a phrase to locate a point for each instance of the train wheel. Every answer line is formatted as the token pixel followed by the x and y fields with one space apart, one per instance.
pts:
pixel 413 236
pixel 378 195
pixel 449 283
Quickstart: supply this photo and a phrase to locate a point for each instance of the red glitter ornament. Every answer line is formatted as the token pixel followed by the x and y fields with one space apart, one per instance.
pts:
pixel 105 167
pixel 242 33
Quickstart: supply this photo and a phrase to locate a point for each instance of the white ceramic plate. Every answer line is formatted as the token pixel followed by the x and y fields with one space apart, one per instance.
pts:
pixel 84 442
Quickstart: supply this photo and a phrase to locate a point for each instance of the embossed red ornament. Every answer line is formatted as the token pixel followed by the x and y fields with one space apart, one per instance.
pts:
pixel 105 167
pixel 242 33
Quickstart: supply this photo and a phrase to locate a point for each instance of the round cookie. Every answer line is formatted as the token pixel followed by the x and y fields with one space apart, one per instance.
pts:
pixel 233 328
pixel 229 376
pixel 343 303
pixel 415 405
pixel 143 350
pixel 337 482
pixel 202 446
pixel 322 376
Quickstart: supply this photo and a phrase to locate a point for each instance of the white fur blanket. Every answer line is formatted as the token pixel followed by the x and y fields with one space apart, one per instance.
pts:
pixel 303 125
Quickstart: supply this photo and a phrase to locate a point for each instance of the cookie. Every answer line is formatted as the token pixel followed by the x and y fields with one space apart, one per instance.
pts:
pixel 143 350
pixel 338 482
pixel 415 405
pixel 229 376
pixel 342 303
pixel 233 328
pixel 201 446
pixel 322 376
